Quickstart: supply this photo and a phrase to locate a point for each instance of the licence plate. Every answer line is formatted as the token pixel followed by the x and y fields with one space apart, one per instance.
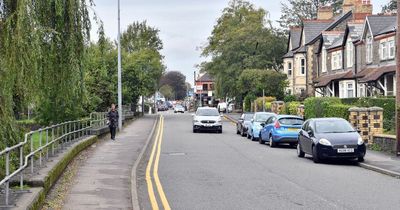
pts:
pixel 345 150
pixel 292 129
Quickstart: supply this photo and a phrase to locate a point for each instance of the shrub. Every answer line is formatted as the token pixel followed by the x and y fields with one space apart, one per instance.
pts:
pixel 337 110
pixel 259 101
pixel 350 101
pixel 289 98
pixel 247 102
pixel 291 107
pixel 315 107
pixel 268 106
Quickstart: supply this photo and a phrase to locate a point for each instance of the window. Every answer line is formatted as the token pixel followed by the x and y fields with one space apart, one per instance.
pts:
pixel 289 68
pixel 383 50
pixel 392 49
pixel 323 60
pixel 336 60
pixel 302 66
pixel 361 90
pixel 350 90
pixel 369 49
pixel 346 89
pixel 349 53
pixel 205 87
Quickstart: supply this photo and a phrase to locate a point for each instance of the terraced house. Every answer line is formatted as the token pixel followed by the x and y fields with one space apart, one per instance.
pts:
pixel 351 55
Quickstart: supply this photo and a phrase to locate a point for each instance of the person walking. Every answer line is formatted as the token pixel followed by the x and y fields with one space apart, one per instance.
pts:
pixel 113 121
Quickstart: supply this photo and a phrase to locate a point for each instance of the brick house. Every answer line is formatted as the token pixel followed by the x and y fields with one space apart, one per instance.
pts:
pixel 204 86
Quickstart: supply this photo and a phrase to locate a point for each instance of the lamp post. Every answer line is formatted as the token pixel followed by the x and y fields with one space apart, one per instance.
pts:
pixel 119 70
pixel 398 81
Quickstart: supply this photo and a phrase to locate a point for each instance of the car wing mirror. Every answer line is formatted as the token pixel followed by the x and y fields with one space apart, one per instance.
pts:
pixel 262 124
pixel 310 133
pixel 358 130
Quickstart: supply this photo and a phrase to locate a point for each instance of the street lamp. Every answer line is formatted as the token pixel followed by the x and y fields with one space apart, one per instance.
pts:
pixel 119 71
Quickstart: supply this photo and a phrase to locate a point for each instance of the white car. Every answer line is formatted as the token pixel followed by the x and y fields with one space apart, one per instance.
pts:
pixel 179 108
pixel 222 107
pixel 207 119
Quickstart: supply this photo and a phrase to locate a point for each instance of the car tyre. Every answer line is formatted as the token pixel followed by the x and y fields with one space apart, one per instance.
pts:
pixel 315 157
pixel 248 135
pixel 260 139
pixel 243 133
pixel 271 142
pixel 252 137
pixel 194 130
pixel 237 131
pixel 300 152
pixel 360 159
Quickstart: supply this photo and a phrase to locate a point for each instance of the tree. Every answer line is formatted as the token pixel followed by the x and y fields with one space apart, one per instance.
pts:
pixel 139 36
pixel 243 38
pixel 295 11
pixel 390 7
pixel 177 81
pixel 167 91
pixel 254 81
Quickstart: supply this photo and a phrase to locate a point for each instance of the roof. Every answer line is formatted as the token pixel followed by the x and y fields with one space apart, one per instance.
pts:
pixel 373 74
pixel 295 34
pixel 355 31
pixel 337 41
pixel 302 49
pixel 313 28
pixel 325 80
pixel 332 39
pixel 205 78
pixel 288 55
pixel 381 24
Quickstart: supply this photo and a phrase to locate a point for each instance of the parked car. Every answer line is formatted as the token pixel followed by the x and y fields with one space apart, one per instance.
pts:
pixel 208 119
pixel 281 129
pixel 253 132
pixel 231 107
pixel 244 123
pixel 330 138
pixel 162 107
pixel 179 108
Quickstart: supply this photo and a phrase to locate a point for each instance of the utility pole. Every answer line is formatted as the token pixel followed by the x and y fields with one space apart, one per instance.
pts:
pixel 398 81
pixel 263 105
pixel 119 70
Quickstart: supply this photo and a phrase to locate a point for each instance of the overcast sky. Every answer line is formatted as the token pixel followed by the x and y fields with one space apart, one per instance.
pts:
pixel 184 24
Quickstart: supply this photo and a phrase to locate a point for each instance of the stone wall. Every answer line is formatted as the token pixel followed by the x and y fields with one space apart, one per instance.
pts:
pixel 385 143
pixel 277 107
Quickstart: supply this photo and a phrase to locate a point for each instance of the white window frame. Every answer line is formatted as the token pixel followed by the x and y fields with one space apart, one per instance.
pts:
pixel 361 90
pixel 383 50
pixel 302 66
pixel 350 54
pixel 336 60
pixel 391 49
pixel 369 53
pixel 323 59
pixel 345 89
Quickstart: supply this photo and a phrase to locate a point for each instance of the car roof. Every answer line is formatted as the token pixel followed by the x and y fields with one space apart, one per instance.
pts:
pixel 328 119
pixel 206 108
pixel 265 113
pixel 289 116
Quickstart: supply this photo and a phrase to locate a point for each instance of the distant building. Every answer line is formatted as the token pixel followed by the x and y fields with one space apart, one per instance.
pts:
pixel 204 89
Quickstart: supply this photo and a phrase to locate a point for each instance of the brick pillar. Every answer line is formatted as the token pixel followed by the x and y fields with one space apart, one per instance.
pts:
pixel 300 111
pixel 375 121
pixel 359 118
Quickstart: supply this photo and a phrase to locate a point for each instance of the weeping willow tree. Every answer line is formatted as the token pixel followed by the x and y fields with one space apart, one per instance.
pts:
pixel 42 48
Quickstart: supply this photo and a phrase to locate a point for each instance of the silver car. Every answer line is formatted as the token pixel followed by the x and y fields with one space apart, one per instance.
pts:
pixel 207 119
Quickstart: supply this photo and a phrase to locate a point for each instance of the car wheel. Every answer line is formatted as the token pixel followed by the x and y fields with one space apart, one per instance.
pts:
pixel 260 139
pixel 252 137
pixel 300 152
pixel 243 133
pixel 248 135
pixel 194 130
pixel 315 157
pixel 360 159
pixel 237 131
pixel 271 142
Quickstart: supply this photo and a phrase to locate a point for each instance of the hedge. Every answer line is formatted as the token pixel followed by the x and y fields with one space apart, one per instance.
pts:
pixel 388 105
pixel 316 107
pixel 337 110
pixel 291 107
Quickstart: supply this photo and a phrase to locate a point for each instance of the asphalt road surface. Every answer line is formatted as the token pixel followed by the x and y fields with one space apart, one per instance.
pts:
pixel 227 171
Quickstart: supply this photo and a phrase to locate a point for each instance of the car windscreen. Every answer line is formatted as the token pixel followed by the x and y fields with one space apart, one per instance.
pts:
pixel 333 126
pixel 179 106
pixel 291 121
pixel 207 112
pixel 248 117
pixel 261 117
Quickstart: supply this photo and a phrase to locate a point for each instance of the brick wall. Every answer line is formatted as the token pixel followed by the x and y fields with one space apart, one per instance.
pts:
pixel 369 121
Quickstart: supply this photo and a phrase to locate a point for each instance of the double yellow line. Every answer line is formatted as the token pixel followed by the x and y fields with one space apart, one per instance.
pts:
pixel 155 152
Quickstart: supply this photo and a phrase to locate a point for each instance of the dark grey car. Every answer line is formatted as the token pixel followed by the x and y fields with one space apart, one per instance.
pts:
pixel 243 124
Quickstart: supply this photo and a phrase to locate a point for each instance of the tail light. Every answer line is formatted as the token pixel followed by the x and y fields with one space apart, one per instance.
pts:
pixel 277 125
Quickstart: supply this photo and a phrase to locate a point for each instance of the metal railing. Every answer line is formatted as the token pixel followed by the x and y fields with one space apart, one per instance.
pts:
pixel 38 144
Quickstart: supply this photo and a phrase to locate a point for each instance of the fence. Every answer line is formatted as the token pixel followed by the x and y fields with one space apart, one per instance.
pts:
pixel 47 141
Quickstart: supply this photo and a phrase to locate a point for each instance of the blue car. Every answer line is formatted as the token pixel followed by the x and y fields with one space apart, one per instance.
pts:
pixel 281 129
pixel 259 118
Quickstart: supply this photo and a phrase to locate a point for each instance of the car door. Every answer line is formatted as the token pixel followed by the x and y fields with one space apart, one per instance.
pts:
pixel 303 136
pixel 240 123
pixel 271 125
pixel 264 130
pixel 308 140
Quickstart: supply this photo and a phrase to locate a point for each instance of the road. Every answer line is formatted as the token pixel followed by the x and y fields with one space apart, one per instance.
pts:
pixel 226 171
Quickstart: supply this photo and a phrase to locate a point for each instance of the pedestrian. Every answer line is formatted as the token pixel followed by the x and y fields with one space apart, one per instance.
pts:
pixel 113 121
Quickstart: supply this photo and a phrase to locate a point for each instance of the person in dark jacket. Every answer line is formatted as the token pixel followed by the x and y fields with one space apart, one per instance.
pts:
pixel 113 121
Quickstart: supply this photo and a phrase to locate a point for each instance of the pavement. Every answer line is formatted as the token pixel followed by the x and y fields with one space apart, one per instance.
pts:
pixel 104 180
pixel 377 161
pixel 227 171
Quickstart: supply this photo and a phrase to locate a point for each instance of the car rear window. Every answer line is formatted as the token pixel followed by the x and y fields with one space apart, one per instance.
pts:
pixel 291 121
pixel 248 117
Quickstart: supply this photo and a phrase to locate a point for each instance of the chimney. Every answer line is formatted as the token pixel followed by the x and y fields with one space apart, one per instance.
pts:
pixel 348 5
pixel 363 8
pixel 325 13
